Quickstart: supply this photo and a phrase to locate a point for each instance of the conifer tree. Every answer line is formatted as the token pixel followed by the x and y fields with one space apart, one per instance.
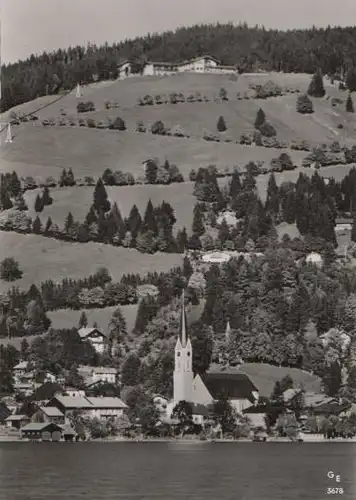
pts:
pixel 68 222
pixel 181 240
pixel 260 118
pixel 351 80
pixel 70 181
pixel 5 200
pixel 187 268
pixel 235 184
pixel 37 225
pixel 149 220
pixel 48 226
pixel 46 197
pixel 316 86
pixel 20 203
pixel 146 311
pixel 91 216
pixel 272 201
pixel 194 242
pixel 224 232
pixel 83 320
pixel 14 184
pixel 304 105
pixel 134 221
pixel 221 125
pixel 349 104
pixel 151 172
pixel 118 221
pixel 39 204
pixel 198 227
pixel 100 199
pixel 63 178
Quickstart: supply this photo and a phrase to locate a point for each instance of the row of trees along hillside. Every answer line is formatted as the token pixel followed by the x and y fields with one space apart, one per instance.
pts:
pixel 311 203
pixel 333 50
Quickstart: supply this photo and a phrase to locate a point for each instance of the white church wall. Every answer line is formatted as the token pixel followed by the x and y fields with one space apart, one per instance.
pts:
pixel 241 404
pixel 201 395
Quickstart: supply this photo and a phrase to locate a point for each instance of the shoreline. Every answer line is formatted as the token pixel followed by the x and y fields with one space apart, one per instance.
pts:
pixel 118 439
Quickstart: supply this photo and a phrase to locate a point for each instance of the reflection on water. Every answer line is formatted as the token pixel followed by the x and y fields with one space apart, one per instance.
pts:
pixel 189 471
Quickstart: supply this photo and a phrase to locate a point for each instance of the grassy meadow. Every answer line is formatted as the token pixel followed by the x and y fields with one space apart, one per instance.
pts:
pixel 264 376
pixel 79 199
pixel 44 258
pixel 44 151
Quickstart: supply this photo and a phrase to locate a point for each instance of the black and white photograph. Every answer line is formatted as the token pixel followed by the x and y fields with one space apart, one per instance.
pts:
pixel 177 250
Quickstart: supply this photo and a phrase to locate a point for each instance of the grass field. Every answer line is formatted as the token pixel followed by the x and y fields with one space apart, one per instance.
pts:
pixel 44 258
pixel 67 318
pixel 180 196
pixel 79 199
pixel 42 151
pixel 264 376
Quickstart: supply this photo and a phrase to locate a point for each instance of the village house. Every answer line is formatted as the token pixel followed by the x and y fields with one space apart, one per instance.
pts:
pixel 25 388
pixel 94 336
pixel 48 414
pixel 102 408
pixel 124 68
pixel 94 374
pixel 20 370
pixel 44 431
pixel 17 421
pixel 73 392
pixel 317 404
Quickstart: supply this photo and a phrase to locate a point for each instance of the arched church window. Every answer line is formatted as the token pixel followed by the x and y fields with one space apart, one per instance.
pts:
pixel 188 353
pixel 178 354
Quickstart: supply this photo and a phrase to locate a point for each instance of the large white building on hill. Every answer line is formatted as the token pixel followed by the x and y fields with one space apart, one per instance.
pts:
pixel 202 64
pixel 209 387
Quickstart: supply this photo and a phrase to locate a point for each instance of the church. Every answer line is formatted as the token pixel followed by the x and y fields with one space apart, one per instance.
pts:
pixel 206 388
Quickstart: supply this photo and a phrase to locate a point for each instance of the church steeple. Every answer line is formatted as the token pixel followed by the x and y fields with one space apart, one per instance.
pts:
pixel 183 363
pixel 228 331
pixel 183 334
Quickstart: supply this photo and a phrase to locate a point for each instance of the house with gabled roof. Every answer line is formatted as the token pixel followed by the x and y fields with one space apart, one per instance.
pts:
pixel 93 374
pixel 16 421
pixel 48 414
pixel 92 407
pixel 94 336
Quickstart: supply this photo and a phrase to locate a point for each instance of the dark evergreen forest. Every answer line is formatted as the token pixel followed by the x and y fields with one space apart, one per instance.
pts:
pixel 333 50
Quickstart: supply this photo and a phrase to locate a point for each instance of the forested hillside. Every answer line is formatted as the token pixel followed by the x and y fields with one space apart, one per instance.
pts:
pixel 331 49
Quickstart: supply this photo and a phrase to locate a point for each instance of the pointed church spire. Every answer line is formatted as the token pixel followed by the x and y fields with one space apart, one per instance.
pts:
pixel 8 134
pixel 183 324
pixel 228 331
pixel 79 92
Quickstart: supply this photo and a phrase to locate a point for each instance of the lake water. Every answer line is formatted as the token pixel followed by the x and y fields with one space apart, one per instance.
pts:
pixel 206 471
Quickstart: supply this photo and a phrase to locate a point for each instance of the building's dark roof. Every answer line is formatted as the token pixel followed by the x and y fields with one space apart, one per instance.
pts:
pixel 232 385
pixel 17 418
pixel 41 427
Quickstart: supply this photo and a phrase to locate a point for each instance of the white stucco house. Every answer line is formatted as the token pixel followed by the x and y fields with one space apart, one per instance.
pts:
pixel 102 408
pixel 94 336
pixel 201 64
pixel 94 374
